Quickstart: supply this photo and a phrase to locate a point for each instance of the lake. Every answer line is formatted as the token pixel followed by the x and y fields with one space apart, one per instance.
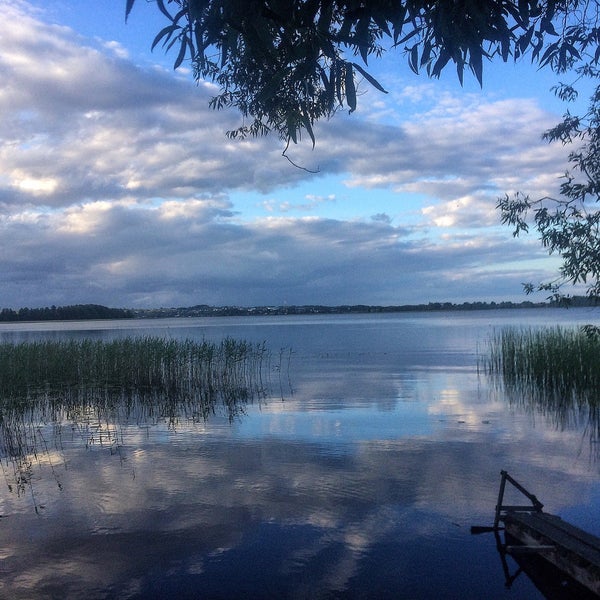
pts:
pixel 358 474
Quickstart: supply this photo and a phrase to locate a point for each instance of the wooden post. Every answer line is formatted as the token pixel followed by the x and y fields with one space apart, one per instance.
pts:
pixel 504 474
pixel 536 504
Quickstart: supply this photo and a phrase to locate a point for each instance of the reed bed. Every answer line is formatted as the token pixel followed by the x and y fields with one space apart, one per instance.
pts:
pixel 554 370
pixel 75 371
pixel 90 391
pixel 136 362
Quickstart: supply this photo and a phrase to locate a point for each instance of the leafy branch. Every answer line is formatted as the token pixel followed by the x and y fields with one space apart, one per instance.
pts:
pixel 286 64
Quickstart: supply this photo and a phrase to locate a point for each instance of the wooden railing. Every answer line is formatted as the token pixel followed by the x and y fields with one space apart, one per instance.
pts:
pixel 502 509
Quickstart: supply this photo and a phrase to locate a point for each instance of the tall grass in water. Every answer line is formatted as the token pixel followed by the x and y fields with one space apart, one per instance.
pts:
pixel 130 362
pixel 148 368
pixel 96 387
pixel 554 370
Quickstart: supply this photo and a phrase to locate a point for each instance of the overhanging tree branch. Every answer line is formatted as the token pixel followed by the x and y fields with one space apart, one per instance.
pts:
pixel 286 64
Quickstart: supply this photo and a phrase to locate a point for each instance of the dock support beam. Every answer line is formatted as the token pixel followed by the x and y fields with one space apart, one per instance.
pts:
pixel 501 508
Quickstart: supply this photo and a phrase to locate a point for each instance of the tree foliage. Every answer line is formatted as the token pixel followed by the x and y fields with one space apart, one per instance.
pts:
pixel 569 225
pixel 285 64
pixel 65 313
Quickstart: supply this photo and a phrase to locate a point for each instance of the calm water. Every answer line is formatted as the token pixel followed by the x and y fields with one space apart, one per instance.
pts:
pixel 358 476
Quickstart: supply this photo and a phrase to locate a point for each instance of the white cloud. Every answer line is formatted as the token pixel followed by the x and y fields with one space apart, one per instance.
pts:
pixel 471 146
pixel 118 185
pixel 467 211
pixel 111 127
pixel 194 252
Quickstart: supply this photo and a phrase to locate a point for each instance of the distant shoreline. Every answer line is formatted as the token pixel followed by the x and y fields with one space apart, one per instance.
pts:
pixel 80 312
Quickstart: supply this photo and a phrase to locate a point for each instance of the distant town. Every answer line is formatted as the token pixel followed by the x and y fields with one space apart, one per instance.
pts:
pixel 96 311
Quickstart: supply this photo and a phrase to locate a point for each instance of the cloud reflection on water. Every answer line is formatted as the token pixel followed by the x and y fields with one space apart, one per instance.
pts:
pixel 361 481
pixel 186 501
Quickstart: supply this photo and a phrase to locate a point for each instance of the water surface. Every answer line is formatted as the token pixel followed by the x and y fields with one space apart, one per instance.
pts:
pixel 379 443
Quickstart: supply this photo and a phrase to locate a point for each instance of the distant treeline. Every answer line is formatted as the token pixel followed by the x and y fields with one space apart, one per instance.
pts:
pixel 65 313
pixel 204 310
pixel 96 311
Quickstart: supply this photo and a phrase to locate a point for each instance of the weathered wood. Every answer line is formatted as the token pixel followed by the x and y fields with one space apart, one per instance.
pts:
pixel 576 552
pixel 537 505
pixel 535 549
pixel 501 508
pixel 565 535
pixel 573 551
pixel 552 582
pixel 516 508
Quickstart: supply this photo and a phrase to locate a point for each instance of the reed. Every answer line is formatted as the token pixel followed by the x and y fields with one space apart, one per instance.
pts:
pixel 553 370
pixel 92 390
pixel 147 366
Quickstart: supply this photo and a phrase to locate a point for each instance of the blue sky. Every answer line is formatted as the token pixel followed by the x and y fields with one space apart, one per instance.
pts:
pixel 118 185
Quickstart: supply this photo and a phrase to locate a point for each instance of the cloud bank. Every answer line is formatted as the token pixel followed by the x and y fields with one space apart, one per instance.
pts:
pixel 119 186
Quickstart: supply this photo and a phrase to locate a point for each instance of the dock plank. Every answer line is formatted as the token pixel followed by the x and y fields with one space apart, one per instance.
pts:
pixel 576 552
pixel 571 550
pixel 561 533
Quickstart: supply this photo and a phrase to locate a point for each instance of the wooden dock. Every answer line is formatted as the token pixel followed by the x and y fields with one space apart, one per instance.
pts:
pixel 570 549
pixel 567 547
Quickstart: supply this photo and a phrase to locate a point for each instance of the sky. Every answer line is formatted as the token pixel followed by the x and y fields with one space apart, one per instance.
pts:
pixel 118 185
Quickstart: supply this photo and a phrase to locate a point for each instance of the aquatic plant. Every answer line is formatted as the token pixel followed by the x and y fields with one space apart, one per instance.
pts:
pixel 553 370
pixel 75 372
pixel 91 390
pixel 130 363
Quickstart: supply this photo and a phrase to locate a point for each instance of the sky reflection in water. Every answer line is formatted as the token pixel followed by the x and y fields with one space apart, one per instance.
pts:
pixel 361 480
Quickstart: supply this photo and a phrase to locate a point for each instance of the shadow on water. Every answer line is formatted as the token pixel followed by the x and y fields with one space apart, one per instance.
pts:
pixel 552 583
